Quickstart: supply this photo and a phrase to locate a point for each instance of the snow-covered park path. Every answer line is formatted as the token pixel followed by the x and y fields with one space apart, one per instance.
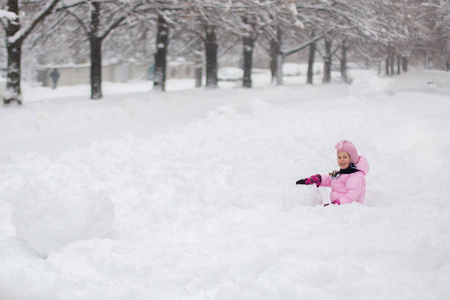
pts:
pixel 190 194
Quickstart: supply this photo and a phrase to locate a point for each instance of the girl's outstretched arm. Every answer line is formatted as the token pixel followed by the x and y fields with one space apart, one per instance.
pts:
pixel 326 180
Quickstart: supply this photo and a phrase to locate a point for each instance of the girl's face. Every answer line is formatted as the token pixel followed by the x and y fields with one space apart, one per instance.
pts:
pixel 343 160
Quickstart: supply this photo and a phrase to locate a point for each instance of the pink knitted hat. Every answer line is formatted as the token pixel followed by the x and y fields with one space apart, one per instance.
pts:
pixel 348 147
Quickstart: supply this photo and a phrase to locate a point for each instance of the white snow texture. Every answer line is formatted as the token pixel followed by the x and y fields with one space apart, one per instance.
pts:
pixel 58 206
pixel 190 194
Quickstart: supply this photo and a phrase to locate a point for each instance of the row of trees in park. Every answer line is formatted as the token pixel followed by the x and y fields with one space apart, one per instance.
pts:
pixel 203 30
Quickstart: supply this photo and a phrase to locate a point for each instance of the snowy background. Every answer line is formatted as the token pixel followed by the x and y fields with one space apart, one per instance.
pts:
pixel 190 194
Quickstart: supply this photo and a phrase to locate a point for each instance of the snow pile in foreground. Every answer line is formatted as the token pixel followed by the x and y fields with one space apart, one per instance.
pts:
pixel 59 206
pixel 191 195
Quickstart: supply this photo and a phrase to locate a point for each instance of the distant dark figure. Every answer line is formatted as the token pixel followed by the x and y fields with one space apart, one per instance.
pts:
pixel 447 66
pixel 55 76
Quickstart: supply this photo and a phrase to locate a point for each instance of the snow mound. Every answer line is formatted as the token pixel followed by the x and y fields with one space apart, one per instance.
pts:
pixel 59 207
pixel 301 196
pixel 368 85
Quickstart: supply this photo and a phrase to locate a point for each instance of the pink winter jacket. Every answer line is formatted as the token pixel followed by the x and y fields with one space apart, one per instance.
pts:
pixel 348 188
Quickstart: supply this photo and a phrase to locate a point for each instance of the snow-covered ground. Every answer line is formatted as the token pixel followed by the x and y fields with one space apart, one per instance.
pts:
pixel 190 194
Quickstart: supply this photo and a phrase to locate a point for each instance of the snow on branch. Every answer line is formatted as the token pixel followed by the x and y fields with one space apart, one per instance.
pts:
pixel 303 46
pixel 4 14
pixel 40 16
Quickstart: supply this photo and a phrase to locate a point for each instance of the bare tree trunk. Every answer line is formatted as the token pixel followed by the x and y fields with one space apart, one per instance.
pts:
pixel 96 68
pixel 13 92
pixel 14 51
pixel 327 61
pixel 249 44
pixel 14 42
pixel 211 48
pixel 344 74
pixel 427 60
pixel 387 66
pixel 273 60
pixel 399 64
pixel 405 63
pixel 162 41
pixel 392 64
pixel 276 63
pixel 311 57
pixel 96 53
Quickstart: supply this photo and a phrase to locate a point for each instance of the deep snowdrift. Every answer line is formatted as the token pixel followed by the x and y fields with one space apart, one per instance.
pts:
pixel 191 194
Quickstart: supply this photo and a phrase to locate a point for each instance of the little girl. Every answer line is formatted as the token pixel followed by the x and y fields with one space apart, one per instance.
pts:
pixel 349 183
